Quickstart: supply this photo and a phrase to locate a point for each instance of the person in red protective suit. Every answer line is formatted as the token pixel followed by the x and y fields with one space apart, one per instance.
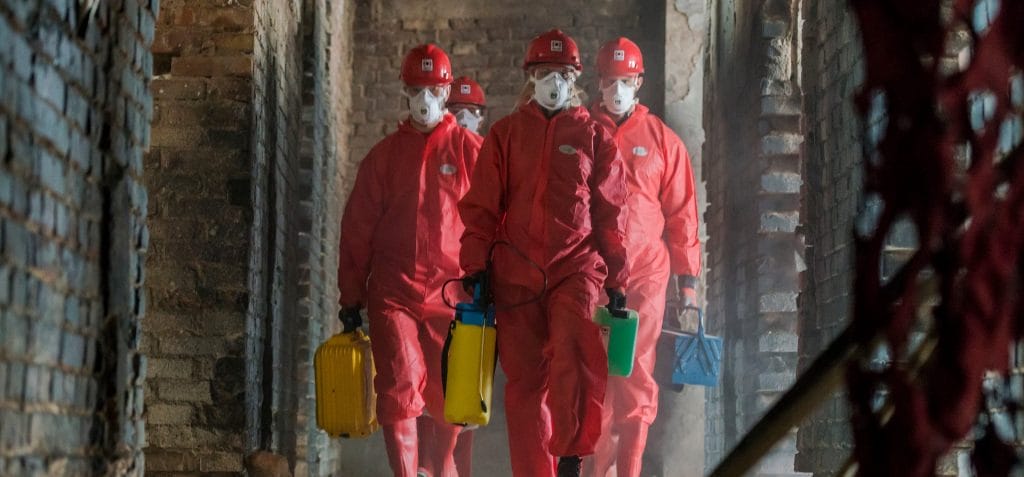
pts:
pixel 662 239
pixel 549 194
pixel 399 242
pixel 468 104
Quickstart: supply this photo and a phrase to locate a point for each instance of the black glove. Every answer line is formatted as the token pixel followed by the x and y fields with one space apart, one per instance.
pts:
pixel 616 299
pixel 350 319
pixel 469 282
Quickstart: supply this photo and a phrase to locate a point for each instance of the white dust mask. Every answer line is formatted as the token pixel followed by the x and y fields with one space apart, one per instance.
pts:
pixel 552 91
pixel 618 98
pixel 469 120
pixel 426 108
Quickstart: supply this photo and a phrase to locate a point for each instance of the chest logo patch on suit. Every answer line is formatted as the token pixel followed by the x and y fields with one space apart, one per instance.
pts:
pixel 639 151
pixel 567 149
pixel 448 169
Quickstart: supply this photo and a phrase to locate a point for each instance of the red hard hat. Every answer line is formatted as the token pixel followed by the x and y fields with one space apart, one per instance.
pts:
pixel 553 47
pixel 426 65
pixel 467 91
pixel 619 57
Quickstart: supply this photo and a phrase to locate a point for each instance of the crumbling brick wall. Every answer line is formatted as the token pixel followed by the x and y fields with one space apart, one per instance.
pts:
pixel 199 173
pixel 251 112
pixel 326 102
pixel 731 218
pixel 832 70
pixel 753 171
pixel 74 120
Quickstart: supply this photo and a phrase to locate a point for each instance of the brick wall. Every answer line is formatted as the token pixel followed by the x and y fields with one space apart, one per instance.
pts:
pixel 832 71
pixel 74 120
pixel 833 204
pixel 752 169
pixel 198 171
pixel 276 255
pixel 730 219
pixel 251 114
pixel 805 189
pixel 326 99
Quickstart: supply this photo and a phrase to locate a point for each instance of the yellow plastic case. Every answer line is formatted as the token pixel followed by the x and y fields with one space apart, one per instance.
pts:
pixel 345 400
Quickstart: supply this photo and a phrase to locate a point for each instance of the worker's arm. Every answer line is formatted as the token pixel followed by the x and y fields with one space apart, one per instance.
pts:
pixel 362 213
pixel 679 206
pixel 608 207
pixel 481 208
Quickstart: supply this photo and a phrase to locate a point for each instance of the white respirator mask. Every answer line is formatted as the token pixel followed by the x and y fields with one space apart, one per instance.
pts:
pixel 426 108
pixel 552 92
pixel 618 98
pixel 469 120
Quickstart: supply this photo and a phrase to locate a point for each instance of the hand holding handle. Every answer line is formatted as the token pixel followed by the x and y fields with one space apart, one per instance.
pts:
pixel 350 318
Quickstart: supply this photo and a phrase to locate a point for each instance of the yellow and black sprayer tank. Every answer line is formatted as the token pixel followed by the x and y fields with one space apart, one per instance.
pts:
pixel 469 357
pixel 345 401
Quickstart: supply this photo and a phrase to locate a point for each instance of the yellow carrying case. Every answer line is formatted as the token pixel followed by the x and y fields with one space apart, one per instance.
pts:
pixel 468 365
pixel 345 401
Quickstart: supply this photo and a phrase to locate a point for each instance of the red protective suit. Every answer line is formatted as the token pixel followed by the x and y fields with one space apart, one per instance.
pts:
pixel 663 238
pixel 399 243
pixel 555 190
pixel 463 453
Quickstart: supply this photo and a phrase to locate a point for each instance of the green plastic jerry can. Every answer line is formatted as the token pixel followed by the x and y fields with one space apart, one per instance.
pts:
pixel 618 329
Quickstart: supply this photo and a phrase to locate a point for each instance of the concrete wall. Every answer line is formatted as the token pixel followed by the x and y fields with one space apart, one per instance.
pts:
pixel 74 120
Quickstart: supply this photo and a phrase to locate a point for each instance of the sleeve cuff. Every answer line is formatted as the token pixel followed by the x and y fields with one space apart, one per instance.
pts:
pixel 687 281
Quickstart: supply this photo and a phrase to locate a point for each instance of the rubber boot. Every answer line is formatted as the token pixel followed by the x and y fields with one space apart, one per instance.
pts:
pixel 400 442
pixel 569 466
pixel 424 437
pixel 464 454
pixel 632 441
